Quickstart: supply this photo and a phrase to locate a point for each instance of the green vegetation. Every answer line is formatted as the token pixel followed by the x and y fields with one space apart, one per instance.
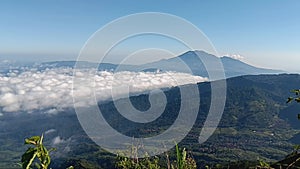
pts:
pixel 295 98
pixel 136 163
pixel 38 156
pixel 38 151
pixel 183 161
pixel 256 123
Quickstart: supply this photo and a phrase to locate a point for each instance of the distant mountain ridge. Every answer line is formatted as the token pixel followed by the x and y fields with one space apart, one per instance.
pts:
pixel 236 67
pixel 188 62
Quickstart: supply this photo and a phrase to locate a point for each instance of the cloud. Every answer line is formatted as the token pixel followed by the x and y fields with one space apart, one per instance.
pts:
pixel 235 56
pixel 9 101
pixel 52 111
pixel 51 89
pixel 50 131
pixel 58 140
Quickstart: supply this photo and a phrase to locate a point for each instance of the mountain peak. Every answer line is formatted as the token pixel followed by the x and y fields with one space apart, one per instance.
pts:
pixel 227 58
pixel 196 54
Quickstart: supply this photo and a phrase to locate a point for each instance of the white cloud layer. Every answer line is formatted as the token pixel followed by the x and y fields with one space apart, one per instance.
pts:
pixel 51 89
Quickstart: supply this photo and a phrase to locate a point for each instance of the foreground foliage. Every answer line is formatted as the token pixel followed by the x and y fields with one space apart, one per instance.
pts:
pixel 183 161
pixel 245 121
pixel 295 98
pixel 37 152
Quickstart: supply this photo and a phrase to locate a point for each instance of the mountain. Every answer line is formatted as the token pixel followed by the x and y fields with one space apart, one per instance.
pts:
pixel 256 123
pixel 235 67
pixel 194 60
pixel 189 62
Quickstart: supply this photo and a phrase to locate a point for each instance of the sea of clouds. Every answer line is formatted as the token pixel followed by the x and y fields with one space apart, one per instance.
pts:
pixel 51 89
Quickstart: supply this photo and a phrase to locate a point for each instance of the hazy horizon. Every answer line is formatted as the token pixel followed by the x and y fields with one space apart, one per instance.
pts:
pixel 129 61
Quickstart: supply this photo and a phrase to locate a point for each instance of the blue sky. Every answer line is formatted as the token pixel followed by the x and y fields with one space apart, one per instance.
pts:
pixel 266 33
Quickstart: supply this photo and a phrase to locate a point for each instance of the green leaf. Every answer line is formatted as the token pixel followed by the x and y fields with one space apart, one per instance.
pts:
pixel 37 165
pixel 41 139
pixel 290 99
pixel 296 91
pixel 43 156
pixel 28 157
pixel 33 140
pixel 39 151
pixel 183 158
pixel 51 149
pixel 179 158
pixel 178 155
pixel 296 147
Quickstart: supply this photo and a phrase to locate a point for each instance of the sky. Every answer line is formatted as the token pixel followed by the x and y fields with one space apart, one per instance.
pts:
pixel 264 33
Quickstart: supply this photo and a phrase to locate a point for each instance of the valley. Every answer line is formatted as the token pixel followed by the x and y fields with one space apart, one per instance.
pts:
pixel 256 123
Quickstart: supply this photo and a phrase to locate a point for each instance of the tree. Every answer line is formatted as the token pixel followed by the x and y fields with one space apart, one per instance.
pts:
pixel 295 98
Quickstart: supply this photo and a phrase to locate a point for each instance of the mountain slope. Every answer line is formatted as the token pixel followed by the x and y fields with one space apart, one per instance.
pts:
pixel 194 60
pixel 235 67
pixel 254 124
